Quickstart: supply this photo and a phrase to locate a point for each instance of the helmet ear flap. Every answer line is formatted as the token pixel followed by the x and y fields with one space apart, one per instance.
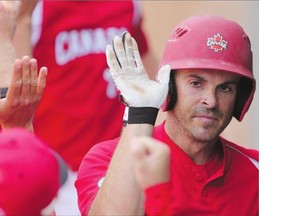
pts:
pixel 172 94
pixel 244 98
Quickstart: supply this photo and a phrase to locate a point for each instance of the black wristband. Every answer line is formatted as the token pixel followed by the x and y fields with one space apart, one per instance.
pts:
pixel 3 92
pixel 142 115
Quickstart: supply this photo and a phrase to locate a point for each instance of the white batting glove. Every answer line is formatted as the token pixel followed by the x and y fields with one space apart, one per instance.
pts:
pixel 130 76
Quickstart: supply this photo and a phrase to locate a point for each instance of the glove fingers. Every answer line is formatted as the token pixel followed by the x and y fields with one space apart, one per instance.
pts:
pixel 127 41
pixel 120 53
pixel 112 61
pixel 136 54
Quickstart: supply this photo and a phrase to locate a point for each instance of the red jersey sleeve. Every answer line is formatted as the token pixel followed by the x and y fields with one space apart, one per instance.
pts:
pixel 91 173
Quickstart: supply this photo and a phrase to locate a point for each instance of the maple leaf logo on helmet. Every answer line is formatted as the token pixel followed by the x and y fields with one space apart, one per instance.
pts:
pixel 217 43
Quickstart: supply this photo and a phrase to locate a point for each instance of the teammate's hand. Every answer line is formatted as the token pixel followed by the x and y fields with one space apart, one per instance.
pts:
pixel 24 94
pixel 130 76
pixel 151 159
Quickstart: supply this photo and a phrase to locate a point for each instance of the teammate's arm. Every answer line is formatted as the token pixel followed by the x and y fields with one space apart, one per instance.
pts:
pixel 8 14
pixel 21 86
pixel 22 36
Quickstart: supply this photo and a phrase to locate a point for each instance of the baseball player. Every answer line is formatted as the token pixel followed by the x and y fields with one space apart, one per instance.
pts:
pixel 208 65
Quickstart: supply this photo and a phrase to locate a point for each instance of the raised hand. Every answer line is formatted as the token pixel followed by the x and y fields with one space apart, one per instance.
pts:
pixel 24 94
pixel 130 76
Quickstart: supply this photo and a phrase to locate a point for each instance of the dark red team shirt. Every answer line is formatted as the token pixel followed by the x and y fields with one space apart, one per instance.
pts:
pixel 80 105
pixel 227 185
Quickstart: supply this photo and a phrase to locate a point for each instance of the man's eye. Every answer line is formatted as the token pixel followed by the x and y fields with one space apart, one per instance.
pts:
pixel 196 84
pixel 225 88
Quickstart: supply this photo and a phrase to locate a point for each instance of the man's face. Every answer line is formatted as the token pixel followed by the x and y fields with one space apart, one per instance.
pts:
pixel 205 102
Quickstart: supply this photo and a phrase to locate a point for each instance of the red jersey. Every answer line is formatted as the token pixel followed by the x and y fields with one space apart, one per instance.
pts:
pixel 224 185
pixel 80 104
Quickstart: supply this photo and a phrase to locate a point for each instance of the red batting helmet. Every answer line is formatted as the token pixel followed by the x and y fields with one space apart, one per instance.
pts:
pixel 212 42
pixel 30 173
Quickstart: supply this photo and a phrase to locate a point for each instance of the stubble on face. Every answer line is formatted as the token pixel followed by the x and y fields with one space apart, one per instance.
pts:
pixel 199 123
pixel 197 120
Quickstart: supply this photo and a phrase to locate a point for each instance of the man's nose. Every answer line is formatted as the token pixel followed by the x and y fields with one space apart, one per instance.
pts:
pixel 209 99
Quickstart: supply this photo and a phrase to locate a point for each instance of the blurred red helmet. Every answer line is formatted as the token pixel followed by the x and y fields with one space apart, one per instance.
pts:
pixel 212 42
pixel 31 173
